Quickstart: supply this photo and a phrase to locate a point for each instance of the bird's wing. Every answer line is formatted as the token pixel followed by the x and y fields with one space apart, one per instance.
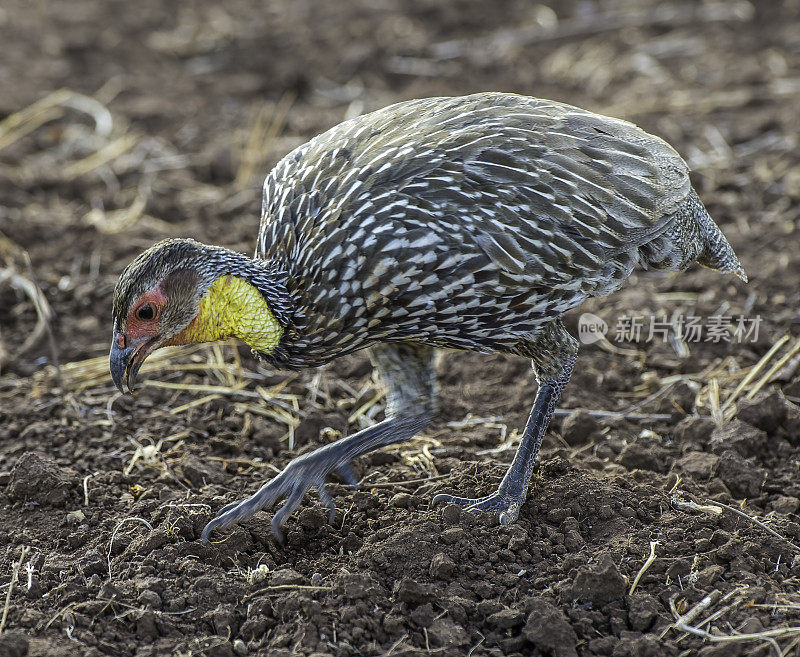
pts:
pixel 543 190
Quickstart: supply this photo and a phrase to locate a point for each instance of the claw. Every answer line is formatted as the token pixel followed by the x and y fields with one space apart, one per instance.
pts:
pixel 286 510
pixel 327 499
pixel 501 501
pixel 235 511
pixel 277 531
pixel 293 482
pixel 346 473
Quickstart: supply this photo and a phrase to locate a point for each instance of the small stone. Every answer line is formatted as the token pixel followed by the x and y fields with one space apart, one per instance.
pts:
pixel 423 615
pixel 150 598
pixel 75 518
pixel 93 563
pixel 239 647
pixel 253 628
pixel 355 586
pixel 152 540
pixel 442 566
pixel 452 535
pixel 578 427
pixel 708 576
pixel 693 430
pixel 224 621
pixel 751 625
pixel 643 609
pixel 413 593
pixel 445 633
pixel 682 396
pixel 637 646
pixel 199 473
pixel 286 576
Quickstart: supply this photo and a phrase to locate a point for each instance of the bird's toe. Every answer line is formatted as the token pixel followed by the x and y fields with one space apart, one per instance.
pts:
pixel 508 506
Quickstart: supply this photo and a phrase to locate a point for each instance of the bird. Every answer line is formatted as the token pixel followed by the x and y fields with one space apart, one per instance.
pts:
pixel 469 223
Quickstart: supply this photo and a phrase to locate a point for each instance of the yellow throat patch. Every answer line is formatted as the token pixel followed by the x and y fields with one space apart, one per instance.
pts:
pixel 233 308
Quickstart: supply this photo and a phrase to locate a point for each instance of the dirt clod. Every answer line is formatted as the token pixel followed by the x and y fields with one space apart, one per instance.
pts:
pixel 413 592
pixel 13 644
pixel 700 465
pixel 739 436
pixel 578 427
pixel 598 583
pixel 37 479
pixel 548 629
pixel 742 477
pixel 442 566
pixel 643 609
pixel 767 411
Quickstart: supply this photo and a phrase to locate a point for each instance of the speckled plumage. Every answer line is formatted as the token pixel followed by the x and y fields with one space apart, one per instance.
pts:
pixel 471 223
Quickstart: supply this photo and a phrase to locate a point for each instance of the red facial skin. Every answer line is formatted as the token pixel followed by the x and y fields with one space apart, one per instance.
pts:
pixel 138 328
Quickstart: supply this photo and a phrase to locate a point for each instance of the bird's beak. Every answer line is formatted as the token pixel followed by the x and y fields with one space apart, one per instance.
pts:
pixel 127 357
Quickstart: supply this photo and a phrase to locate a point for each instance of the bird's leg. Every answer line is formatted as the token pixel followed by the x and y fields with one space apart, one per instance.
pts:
pixel 407 371
pixel 553 356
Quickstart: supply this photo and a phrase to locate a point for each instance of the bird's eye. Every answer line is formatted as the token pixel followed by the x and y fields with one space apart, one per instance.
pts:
pixel 146 312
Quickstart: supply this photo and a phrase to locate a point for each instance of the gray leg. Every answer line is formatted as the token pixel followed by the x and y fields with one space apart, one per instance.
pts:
pixel 553 356
pixel 407 371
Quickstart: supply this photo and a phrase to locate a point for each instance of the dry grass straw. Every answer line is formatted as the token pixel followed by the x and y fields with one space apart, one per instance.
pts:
pixel 688 624
pixel 735 598
pixel 106 154
pixel 114 534
pixel 14 574
pixel 722 385
pixel 266 125
pixel 52 107
pixel 94 372
pixel 753 372
pixel 648 562
pixel 13 259
pixel 116 221
pixel 213 361
pixel 15 126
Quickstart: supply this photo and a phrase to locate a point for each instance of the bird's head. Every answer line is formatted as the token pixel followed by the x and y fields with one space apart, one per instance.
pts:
pixel 156 297
pixel 181 292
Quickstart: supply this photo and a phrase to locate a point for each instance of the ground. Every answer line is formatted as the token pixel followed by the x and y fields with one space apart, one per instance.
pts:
pixel 168 116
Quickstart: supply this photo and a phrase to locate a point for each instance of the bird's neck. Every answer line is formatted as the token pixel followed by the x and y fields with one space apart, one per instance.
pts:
pixel 234 308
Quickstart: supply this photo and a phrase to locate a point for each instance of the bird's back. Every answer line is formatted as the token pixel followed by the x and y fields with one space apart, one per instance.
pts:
pixel 471 221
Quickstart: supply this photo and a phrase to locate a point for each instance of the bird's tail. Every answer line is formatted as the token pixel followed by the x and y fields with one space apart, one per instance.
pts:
pixel 716 252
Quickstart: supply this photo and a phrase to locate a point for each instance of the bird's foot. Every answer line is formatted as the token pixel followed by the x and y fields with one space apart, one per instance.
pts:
pixel 294 481
pixel 501 500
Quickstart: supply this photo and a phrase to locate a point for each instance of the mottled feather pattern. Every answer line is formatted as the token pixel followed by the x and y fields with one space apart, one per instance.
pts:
pixel 465 222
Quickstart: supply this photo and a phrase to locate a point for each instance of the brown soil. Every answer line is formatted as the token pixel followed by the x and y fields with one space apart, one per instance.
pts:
pixel 185 85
